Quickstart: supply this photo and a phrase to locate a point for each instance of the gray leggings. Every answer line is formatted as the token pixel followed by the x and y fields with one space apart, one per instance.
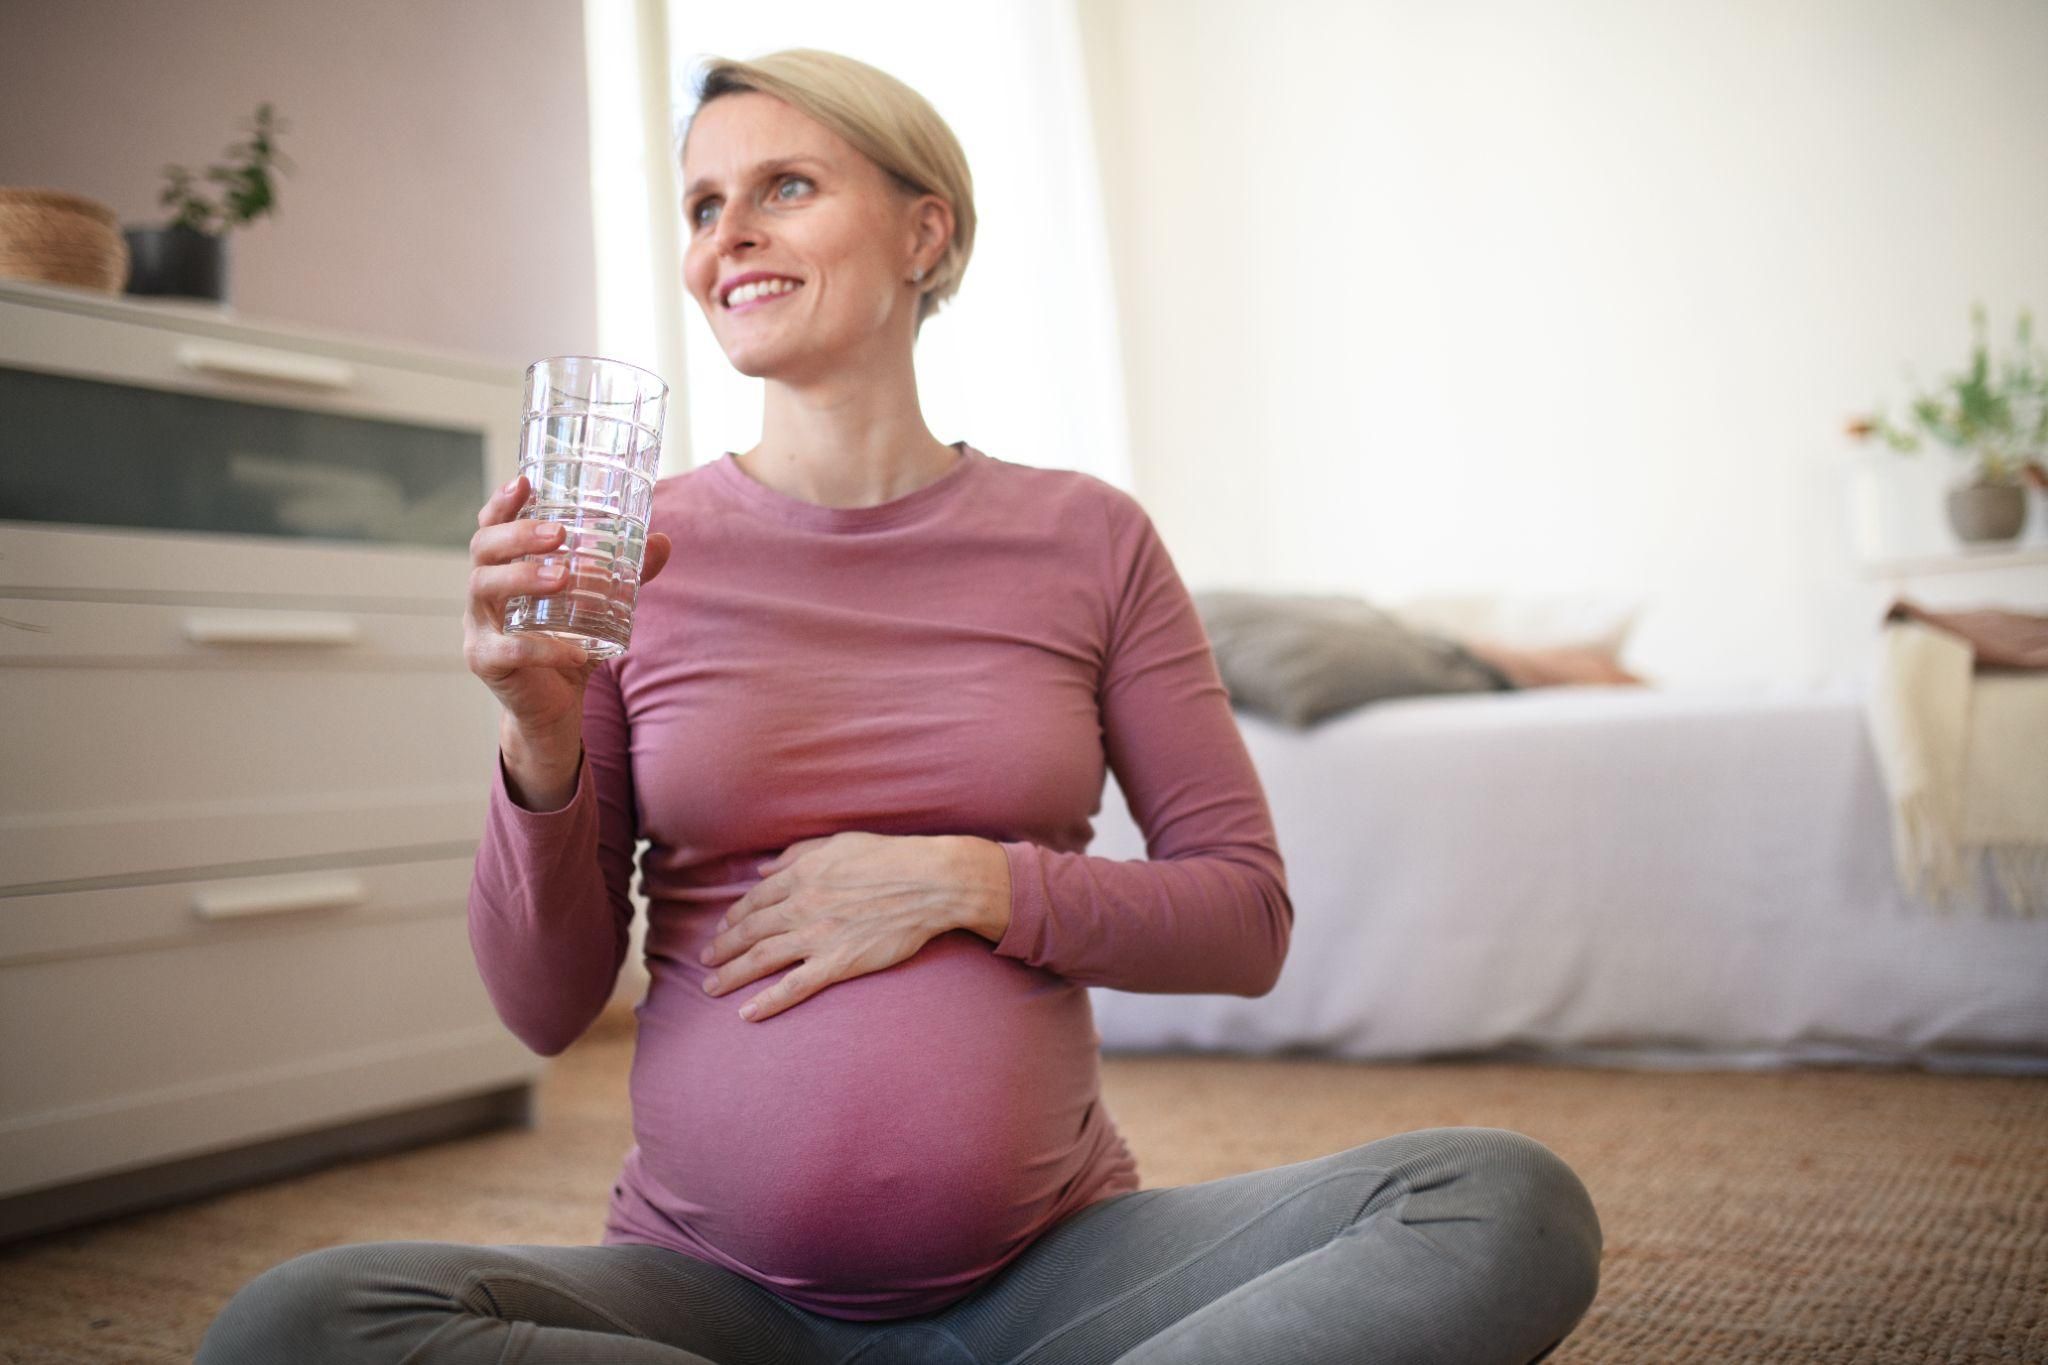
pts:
pixel 1442 1245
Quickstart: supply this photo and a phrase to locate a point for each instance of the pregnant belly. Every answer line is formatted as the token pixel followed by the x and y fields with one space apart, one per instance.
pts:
pixel 900 1128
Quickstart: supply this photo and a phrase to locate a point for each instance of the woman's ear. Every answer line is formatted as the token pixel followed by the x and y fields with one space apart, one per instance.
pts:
pixel 932 221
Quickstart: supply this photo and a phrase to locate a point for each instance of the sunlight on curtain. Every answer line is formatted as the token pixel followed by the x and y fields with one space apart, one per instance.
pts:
pixel 1023 362
pixel 619 187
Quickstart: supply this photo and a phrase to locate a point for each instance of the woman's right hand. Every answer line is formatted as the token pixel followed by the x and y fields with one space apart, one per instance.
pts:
pixel 538 679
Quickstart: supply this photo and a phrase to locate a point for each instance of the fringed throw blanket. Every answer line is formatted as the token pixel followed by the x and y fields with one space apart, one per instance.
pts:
pixel 1959 717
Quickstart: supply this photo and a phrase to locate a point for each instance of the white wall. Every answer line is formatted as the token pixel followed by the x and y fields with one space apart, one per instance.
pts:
pixel 441 184
pixel 1576 295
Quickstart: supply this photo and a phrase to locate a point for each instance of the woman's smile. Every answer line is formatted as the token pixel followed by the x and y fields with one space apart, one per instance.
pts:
pixel 751 296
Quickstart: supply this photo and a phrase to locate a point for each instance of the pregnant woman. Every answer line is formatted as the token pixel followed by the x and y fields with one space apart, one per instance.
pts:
pixel 873 686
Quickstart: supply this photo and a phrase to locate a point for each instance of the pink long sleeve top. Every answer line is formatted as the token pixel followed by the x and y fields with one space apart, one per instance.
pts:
pixel 961 660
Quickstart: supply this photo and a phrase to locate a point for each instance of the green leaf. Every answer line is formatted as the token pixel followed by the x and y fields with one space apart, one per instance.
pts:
pixel 247 191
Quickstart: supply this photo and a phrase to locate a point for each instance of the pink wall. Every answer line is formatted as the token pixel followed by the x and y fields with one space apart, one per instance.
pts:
pixel 441 183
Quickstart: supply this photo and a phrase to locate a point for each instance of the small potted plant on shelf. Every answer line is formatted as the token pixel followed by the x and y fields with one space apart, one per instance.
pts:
pixel 188 256
pixel 1995 418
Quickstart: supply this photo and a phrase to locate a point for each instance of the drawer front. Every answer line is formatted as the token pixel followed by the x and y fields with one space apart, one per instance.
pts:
pixel 45 632
pixel 48 926
pixel 193 1020
pixel 150 420
pixel 237 998
pixel 98 453
pixel 269 463
pixel 188 569
pixel 152 740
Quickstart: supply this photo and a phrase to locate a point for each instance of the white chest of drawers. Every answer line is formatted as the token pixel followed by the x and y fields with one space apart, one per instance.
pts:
pixel 242 765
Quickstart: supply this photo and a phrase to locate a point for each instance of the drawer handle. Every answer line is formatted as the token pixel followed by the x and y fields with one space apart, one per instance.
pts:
pixel 280 897
pixel 247 362
pixel 277 628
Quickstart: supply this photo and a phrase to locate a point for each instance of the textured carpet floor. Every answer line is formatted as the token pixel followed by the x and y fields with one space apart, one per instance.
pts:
pixel 1823 1216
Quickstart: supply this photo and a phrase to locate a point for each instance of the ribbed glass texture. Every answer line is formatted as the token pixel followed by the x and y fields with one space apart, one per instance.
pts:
pixel 590 447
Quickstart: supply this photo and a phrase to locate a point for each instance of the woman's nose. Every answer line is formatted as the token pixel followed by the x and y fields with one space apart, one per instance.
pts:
pixel 737 227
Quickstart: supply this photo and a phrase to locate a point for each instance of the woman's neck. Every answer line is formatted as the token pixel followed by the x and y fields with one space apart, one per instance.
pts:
pixel 850 441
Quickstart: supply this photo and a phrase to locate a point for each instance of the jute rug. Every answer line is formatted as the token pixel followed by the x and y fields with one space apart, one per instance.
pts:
pixel 1813 1216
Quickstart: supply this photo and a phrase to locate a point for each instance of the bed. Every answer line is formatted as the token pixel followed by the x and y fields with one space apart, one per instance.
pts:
pixel 1604 876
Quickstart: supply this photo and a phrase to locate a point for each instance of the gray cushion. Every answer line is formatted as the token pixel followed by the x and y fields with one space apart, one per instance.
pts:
pixel 1300 658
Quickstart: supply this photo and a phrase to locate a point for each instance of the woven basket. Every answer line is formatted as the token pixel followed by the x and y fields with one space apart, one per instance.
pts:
pixel 55 237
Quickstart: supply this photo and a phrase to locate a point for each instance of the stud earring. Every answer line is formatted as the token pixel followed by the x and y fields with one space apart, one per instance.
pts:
pixel 917 275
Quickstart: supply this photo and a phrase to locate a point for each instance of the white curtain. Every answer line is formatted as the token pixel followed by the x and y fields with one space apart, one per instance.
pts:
pixel 1024 361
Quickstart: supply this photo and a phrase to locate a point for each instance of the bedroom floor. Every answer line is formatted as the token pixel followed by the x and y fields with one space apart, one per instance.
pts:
pixel 1830 1216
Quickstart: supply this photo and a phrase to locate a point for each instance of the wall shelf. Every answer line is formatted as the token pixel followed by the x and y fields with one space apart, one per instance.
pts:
pixel 1960 560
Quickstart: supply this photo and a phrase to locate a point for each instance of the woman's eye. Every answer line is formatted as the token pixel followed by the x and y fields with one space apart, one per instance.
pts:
pixel 698 216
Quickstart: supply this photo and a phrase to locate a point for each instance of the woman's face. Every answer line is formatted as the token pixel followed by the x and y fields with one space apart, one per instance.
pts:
pixel 769 191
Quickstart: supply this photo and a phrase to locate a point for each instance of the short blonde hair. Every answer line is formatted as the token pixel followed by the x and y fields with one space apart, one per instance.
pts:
pixel 890 123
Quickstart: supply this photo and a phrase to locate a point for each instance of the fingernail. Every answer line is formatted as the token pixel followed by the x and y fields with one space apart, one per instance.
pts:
pixel 512 485
pixel 704 956
pixel 709 982
pixel 749 1010
pixel 552 572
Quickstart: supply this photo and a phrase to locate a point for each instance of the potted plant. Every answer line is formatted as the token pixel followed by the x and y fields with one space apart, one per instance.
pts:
pixel 188 256
pixel 1995 419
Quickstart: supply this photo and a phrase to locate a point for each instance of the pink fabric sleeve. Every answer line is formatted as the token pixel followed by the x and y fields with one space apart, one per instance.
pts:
pixel 550 919
pixel 1207 910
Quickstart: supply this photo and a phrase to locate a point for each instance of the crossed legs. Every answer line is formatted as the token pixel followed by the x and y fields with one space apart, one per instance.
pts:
pixel 1443 1245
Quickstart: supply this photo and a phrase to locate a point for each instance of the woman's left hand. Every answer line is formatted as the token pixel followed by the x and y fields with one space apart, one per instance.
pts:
pixel 850 904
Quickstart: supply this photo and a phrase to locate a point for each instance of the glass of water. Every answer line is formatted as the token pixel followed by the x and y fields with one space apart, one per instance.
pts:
pixel 590 448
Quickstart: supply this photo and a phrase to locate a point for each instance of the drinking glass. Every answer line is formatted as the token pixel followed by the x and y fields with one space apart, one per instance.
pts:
pixel 590 447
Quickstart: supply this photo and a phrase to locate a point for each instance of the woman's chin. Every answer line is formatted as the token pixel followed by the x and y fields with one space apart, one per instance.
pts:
pixel 757 360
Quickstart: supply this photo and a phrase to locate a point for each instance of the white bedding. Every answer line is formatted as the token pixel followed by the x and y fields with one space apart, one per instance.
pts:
pixel 1606 875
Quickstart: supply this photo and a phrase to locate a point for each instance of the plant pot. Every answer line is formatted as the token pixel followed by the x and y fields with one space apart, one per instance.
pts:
pixel 1986 513
pixel 178 260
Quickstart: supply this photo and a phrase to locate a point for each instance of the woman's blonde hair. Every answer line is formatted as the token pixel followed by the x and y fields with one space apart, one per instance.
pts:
pixel 891 124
